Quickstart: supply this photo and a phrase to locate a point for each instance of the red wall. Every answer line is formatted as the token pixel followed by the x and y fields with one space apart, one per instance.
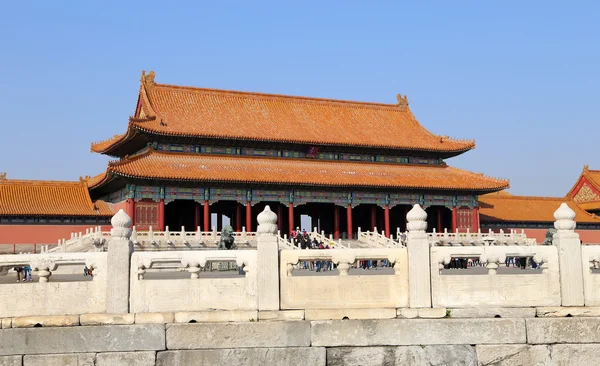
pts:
pixel 40 234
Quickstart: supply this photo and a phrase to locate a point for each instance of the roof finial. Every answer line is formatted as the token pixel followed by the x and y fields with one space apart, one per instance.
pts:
pixel 586 168
pixel 2 175
pixel 402 100
pixel 147 79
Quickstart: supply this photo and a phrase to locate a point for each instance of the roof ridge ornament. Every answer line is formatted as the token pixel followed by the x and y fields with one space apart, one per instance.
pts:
pixel 148 79
pixel 402 100
pixel 2 175
pixel 586 168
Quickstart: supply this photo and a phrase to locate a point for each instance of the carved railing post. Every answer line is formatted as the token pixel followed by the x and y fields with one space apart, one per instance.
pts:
pixel 567 242
pixel 118 262
pixel 419 275
pixel 43 268
pixel 267 252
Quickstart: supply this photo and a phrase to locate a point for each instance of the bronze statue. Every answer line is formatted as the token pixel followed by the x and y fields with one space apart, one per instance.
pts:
pixel 227 241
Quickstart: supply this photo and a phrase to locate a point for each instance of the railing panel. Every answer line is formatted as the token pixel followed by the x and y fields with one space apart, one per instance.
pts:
pixel 343 291
pixel 590 256
pixel 462 288
pixel 194 292
pixel 53 298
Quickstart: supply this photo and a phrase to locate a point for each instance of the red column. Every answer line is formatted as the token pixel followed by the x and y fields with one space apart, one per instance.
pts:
pixel 196 215
pixel 349 214
pixel 475 218
pixel 373 217
pixel 291 218
pixel 248 217
pixel 238 217
pixel 131 209
pixel 386 216
pixel 454 219
pixel 206 216
pixel 336 221
pixel 439 220
pixel 161 215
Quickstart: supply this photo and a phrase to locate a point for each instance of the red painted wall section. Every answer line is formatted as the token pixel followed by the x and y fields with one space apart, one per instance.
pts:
pixel 40 234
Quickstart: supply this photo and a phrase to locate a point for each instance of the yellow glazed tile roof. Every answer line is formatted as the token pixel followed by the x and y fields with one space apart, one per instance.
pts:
pixel 48 198
pixel 283 171
pixel 210 113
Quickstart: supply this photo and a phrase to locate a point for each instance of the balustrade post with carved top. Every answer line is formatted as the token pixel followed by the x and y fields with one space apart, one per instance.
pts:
pixel 119 253
pixel 267 252
pixel 419 275
pixel 568 245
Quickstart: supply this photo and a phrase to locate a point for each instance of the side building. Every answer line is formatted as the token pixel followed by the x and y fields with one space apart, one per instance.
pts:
pixel 502 210
pixel 190 154
pixel 41 212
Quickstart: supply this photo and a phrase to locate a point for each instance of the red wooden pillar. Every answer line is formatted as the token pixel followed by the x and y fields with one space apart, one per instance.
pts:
pixel 475 218
pixel 349 214
pixel 336 221
pixel 386 218
pixel 161 215
pixel 196 215
pixel 291 218
pixel 439 220
pixel 454 218
pixel 248 216
pixel 206 216
pixel 373 217
pixel 238 217
pixel 131 209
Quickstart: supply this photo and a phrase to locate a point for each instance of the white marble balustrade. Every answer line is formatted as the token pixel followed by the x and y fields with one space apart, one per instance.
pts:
pixel 47 297
pixel 193 293
pixel 343 290
pixel 462 289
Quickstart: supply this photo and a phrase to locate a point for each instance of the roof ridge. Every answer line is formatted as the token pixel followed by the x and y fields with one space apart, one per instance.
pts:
pixel 40 182
pixel 280 96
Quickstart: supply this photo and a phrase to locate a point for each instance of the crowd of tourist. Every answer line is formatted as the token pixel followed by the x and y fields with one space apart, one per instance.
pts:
pixel 514 262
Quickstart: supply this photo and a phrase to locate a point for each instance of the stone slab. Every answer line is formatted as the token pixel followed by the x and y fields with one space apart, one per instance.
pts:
pixel 575 354
pixel 216 316
pixel 74 359
pixel 407 313
pixel 6 323
pixel 407 355
pixel 492 313
pixel 280 315
pixel 154 318
pixel 567 311
pixel 107 319
pixel 45 321
pixel 408 332
pixel 563 330
pixel 235 335
pixel 313 356
pixel 432 313
pixel 145 358
pixel 104 338
pixel 11 360
pixel 513 355
pixel 339 314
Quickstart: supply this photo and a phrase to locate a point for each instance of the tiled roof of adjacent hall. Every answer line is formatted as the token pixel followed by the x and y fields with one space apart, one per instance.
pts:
pixel 495 207
pixel 49 198
pixel 159 165
pixel 171 110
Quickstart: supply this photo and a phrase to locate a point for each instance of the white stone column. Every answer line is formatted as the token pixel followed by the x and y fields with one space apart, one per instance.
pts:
pixel 568 245
pixel 267 261
pixel 118 264
pixel 419 275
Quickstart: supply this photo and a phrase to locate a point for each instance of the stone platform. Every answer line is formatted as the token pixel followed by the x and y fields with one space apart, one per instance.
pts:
pixel 447 341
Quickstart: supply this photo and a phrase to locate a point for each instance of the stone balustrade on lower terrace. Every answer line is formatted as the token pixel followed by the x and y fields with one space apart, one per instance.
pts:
pixel 277 276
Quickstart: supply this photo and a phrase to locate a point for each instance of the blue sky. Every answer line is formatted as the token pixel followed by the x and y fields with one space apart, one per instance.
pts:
pixel 521 78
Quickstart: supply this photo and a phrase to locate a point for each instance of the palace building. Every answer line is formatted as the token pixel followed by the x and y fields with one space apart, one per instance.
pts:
pixel 188 153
